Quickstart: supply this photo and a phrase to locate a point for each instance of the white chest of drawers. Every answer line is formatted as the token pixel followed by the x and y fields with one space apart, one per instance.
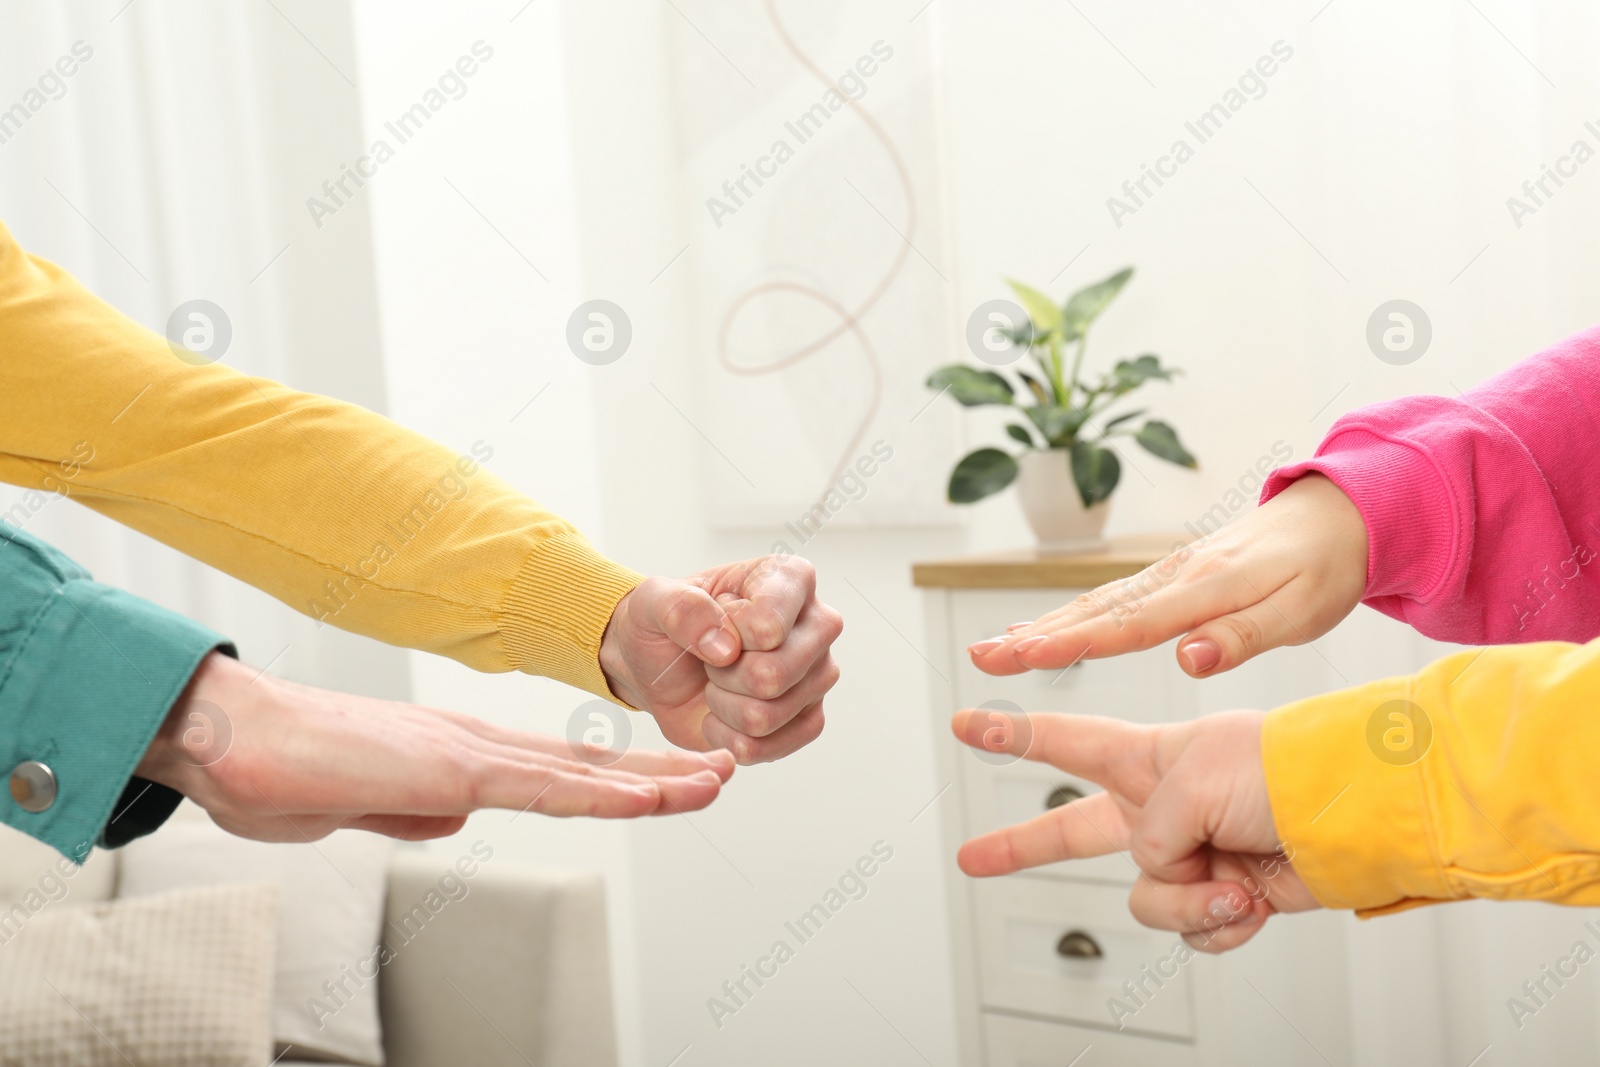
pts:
pixel 1040 956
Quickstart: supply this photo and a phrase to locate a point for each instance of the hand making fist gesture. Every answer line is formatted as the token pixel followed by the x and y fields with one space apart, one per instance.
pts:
pixel 735 657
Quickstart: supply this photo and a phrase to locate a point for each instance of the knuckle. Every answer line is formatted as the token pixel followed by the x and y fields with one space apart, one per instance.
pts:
pixel 767 629
pixel 1145 843
pixel 830 674
pixel 832 622
pixel 756 718
pixel 744 749
pixel 1215 559
pixel 468 785
pixel 677 614
pixel 766 679
pixel 1092 602
pixel 1244 632
pixel 1139 907
pixel 1134 627
pixel 818 723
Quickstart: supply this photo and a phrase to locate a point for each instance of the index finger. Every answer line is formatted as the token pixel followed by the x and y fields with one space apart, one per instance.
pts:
pixel 773 593
pixel 1092 826
pixel 1113 753
pixel 1114 620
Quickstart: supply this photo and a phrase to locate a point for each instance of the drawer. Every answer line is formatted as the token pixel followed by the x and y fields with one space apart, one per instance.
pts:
pixel 1013 1042
pixel 997 796
pixel 1023 966
pixel 1141 686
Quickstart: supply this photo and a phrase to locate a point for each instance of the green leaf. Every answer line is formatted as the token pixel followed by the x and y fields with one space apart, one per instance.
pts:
pixel 1159 439
pixel 1040 308
pixel 1129 374
pixel 1020 434
pixel 1035 386
pixel 1022 336
pixel 980 474
pixel 971 386
pixel 1096 470
pixel 1059 425
pixel 1084 306
pixel 1120 419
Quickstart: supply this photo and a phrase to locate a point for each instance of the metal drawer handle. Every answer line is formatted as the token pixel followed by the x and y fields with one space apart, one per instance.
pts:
pixel 1077 945
pixel 1062 794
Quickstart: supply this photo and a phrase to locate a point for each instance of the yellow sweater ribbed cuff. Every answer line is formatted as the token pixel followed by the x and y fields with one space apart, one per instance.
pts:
pixel 556 611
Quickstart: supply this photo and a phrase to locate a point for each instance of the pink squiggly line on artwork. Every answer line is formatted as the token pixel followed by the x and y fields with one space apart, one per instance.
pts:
pixel 849 318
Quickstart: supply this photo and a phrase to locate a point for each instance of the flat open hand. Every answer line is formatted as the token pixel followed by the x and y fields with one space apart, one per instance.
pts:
pixel 276 761
pixel 1188 800
pixel 1285 574
pixel 736 657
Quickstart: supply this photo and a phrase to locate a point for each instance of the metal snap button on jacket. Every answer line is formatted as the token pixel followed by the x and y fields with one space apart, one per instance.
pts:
pixel 33 786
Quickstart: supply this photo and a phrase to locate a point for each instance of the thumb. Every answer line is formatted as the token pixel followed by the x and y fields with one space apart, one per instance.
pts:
pixel 1229 640
pixel 691 618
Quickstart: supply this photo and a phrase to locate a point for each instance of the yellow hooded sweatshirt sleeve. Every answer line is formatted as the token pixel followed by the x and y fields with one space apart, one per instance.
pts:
pixel 334 510
pixel 1474 778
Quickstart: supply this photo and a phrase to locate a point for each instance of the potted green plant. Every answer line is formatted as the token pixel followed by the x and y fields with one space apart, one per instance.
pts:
pixel 1065 473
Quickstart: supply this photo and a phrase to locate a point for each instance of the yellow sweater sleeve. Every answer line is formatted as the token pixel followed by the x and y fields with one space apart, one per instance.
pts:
pixel 334 510
pixel 1474 778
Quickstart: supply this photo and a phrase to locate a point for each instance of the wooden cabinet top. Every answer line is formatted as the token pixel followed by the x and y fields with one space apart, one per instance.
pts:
pixel 1030 568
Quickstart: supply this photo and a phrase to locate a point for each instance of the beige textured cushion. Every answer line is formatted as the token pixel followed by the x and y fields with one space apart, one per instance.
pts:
pixel 326 995
pixel 182 980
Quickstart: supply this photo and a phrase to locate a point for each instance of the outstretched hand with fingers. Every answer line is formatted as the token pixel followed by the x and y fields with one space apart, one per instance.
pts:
pixel 736 657
pixel 276 761
pixel 1285 574
pixel 1188 800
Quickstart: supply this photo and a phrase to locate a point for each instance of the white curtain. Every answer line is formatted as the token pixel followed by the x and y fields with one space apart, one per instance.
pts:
pixel 172 165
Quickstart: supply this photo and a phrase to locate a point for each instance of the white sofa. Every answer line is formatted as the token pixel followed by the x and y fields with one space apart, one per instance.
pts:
pixel 516 973
pixel 527 949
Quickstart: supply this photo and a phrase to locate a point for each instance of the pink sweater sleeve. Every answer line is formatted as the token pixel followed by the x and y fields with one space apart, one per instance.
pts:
pixel 1482 511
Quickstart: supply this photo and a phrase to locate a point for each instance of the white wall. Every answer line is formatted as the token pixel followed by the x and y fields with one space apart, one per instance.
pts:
pixel 1375 167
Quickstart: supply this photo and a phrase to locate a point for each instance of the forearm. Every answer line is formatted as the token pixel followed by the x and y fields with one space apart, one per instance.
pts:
pixel 332 509
pixel 1500 802
pixel 1479 508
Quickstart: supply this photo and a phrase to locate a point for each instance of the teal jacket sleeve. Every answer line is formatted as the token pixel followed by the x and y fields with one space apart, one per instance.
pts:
pixel 87 676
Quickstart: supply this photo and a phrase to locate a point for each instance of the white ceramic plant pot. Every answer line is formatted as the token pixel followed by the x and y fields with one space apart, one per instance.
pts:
pixel 1055 511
